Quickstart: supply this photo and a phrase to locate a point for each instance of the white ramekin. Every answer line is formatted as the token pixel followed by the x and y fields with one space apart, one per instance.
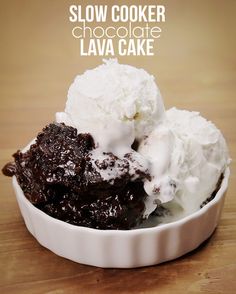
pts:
pixel 120 248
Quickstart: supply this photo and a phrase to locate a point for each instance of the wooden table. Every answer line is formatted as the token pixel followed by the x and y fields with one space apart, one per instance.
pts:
pixel 195 68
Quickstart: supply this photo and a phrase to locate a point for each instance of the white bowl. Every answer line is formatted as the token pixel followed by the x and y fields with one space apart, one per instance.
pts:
pixel 120 248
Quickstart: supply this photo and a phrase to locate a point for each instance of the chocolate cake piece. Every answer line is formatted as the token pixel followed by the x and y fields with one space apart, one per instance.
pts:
pixel 57 175
pixel 120 210
pixel 218 185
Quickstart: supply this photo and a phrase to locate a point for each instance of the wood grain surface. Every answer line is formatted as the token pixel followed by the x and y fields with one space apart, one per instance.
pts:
pixel 195 68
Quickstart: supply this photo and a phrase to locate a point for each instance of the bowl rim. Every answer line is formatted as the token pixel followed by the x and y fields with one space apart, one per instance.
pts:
pixel 132 232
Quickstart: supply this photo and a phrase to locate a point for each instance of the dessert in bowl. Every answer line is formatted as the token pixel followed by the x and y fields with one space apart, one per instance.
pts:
pixel 117 181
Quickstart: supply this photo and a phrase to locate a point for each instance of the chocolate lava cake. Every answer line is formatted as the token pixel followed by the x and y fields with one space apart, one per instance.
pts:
pixel 57 175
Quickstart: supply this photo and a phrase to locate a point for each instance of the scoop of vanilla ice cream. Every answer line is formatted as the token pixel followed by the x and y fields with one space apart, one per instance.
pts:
pixel 184 153
pixel 116 103
pixel 187 154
